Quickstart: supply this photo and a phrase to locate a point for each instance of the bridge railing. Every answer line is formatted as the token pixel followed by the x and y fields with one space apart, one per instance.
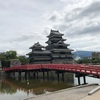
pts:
pixel 82 68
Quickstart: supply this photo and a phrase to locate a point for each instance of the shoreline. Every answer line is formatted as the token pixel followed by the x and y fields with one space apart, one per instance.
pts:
pixel 74 93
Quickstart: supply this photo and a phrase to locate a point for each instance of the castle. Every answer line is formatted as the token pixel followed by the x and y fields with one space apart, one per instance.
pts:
pixel 55 52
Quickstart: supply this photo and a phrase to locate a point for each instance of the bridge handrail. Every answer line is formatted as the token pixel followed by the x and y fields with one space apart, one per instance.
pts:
pixel 67 67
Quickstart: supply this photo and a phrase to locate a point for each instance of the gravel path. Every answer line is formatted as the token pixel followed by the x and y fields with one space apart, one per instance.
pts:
pixel 66 94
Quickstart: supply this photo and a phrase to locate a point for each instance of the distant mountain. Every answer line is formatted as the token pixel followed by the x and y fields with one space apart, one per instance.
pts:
pixel 82 54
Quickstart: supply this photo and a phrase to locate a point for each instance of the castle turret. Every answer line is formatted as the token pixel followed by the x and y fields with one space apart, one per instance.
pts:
pixel 60 51
pixel 39 55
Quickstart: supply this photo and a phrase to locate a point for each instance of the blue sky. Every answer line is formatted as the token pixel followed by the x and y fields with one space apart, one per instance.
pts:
pixel 25 22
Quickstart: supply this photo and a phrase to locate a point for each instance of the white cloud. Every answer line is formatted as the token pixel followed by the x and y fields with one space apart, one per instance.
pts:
pixel 55 16
pixel 25 22
pixel 81 22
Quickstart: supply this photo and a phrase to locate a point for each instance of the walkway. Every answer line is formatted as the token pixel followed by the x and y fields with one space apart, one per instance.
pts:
pixel 95 96
pixel 66 94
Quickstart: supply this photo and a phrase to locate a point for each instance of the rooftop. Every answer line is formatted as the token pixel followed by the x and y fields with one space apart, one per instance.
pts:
pixel 40 52
pixel 37 45
pixel 54 32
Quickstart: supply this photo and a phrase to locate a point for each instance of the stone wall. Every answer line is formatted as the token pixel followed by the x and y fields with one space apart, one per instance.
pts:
pixel 14 62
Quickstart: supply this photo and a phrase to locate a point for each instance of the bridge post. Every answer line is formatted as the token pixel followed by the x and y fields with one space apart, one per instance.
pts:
pixel 34 75
pixel 43 74
pixel 28 74
pixel 48 75
pixel 78 80
pixel 19 75
pixel 84 78
pixel 58 76
pixel 25 74
pixel 63 76
pixel 37 74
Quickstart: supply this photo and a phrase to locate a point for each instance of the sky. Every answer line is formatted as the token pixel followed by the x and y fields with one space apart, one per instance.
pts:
pixel 25 22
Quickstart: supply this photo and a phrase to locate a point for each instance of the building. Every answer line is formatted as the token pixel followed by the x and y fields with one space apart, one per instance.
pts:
pixel 55 52
pixel 59 50
pixel 95 54
pixel 39 55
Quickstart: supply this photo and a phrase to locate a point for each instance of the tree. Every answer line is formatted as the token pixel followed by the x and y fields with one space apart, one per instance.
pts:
pixel 6 56
pixel 89 61
pixel 2 56
pixel 23 60
pixel 96 60
pixel 11 54
pixel 4 61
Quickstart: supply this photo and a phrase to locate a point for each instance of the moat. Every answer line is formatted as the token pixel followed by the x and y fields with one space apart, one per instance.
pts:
pixel 15 89
pixel 18 89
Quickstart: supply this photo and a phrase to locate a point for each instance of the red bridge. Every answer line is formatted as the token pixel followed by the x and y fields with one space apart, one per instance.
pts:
pixel 81 68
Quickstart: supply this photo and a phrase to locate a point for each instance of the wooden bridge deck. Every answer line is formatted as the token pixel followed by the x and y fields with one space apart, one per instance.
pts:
pixel 81 68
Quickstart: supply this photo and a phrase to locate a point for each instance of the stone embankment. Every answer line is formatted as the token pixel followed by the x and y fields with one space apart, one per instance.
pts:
pixel 75 93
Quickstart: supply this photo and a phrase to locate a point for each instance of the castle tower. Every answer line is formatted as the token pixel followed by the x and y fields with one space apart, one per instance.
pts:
pixel 39 55
pixel 60 51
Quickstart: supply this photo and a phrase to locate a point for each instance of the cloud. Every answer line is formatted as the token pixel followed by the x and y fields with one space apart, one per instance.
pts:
pixel 23 38
pixel 80 24
pixel 92 9
pixel 55 16
pixel 25 22
pixel 85 42
pixel 86 29
pixel 91 29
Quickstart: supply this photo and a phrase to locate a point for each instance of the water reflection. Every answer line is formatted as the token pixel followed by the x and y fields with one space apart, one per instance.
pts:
pixel 31 86
pixel 15 89
pixel 18 89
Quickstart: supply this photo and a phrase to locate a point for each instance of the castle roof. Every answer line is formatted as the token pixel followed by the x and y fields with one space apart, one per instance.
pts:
pixel 37 45
pixel 54 33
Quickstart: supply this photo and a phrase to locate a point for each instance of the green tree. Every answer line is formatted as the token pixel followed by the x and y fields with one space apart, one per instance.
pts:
pixel 4 61
pixel 89 61
pixel 6 56
pixel 96 60
pixel 23 60
pixel 2 56
pixel 11 54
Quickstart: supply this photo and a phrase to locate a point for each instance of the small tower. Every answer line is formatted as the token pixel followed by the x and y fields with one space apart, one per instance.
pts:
pixel 39 55
pixel 60 51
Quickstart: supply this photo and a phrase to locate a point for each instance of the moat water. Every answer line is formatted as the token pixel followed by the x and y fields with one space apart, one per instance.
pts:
pixel 15 89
